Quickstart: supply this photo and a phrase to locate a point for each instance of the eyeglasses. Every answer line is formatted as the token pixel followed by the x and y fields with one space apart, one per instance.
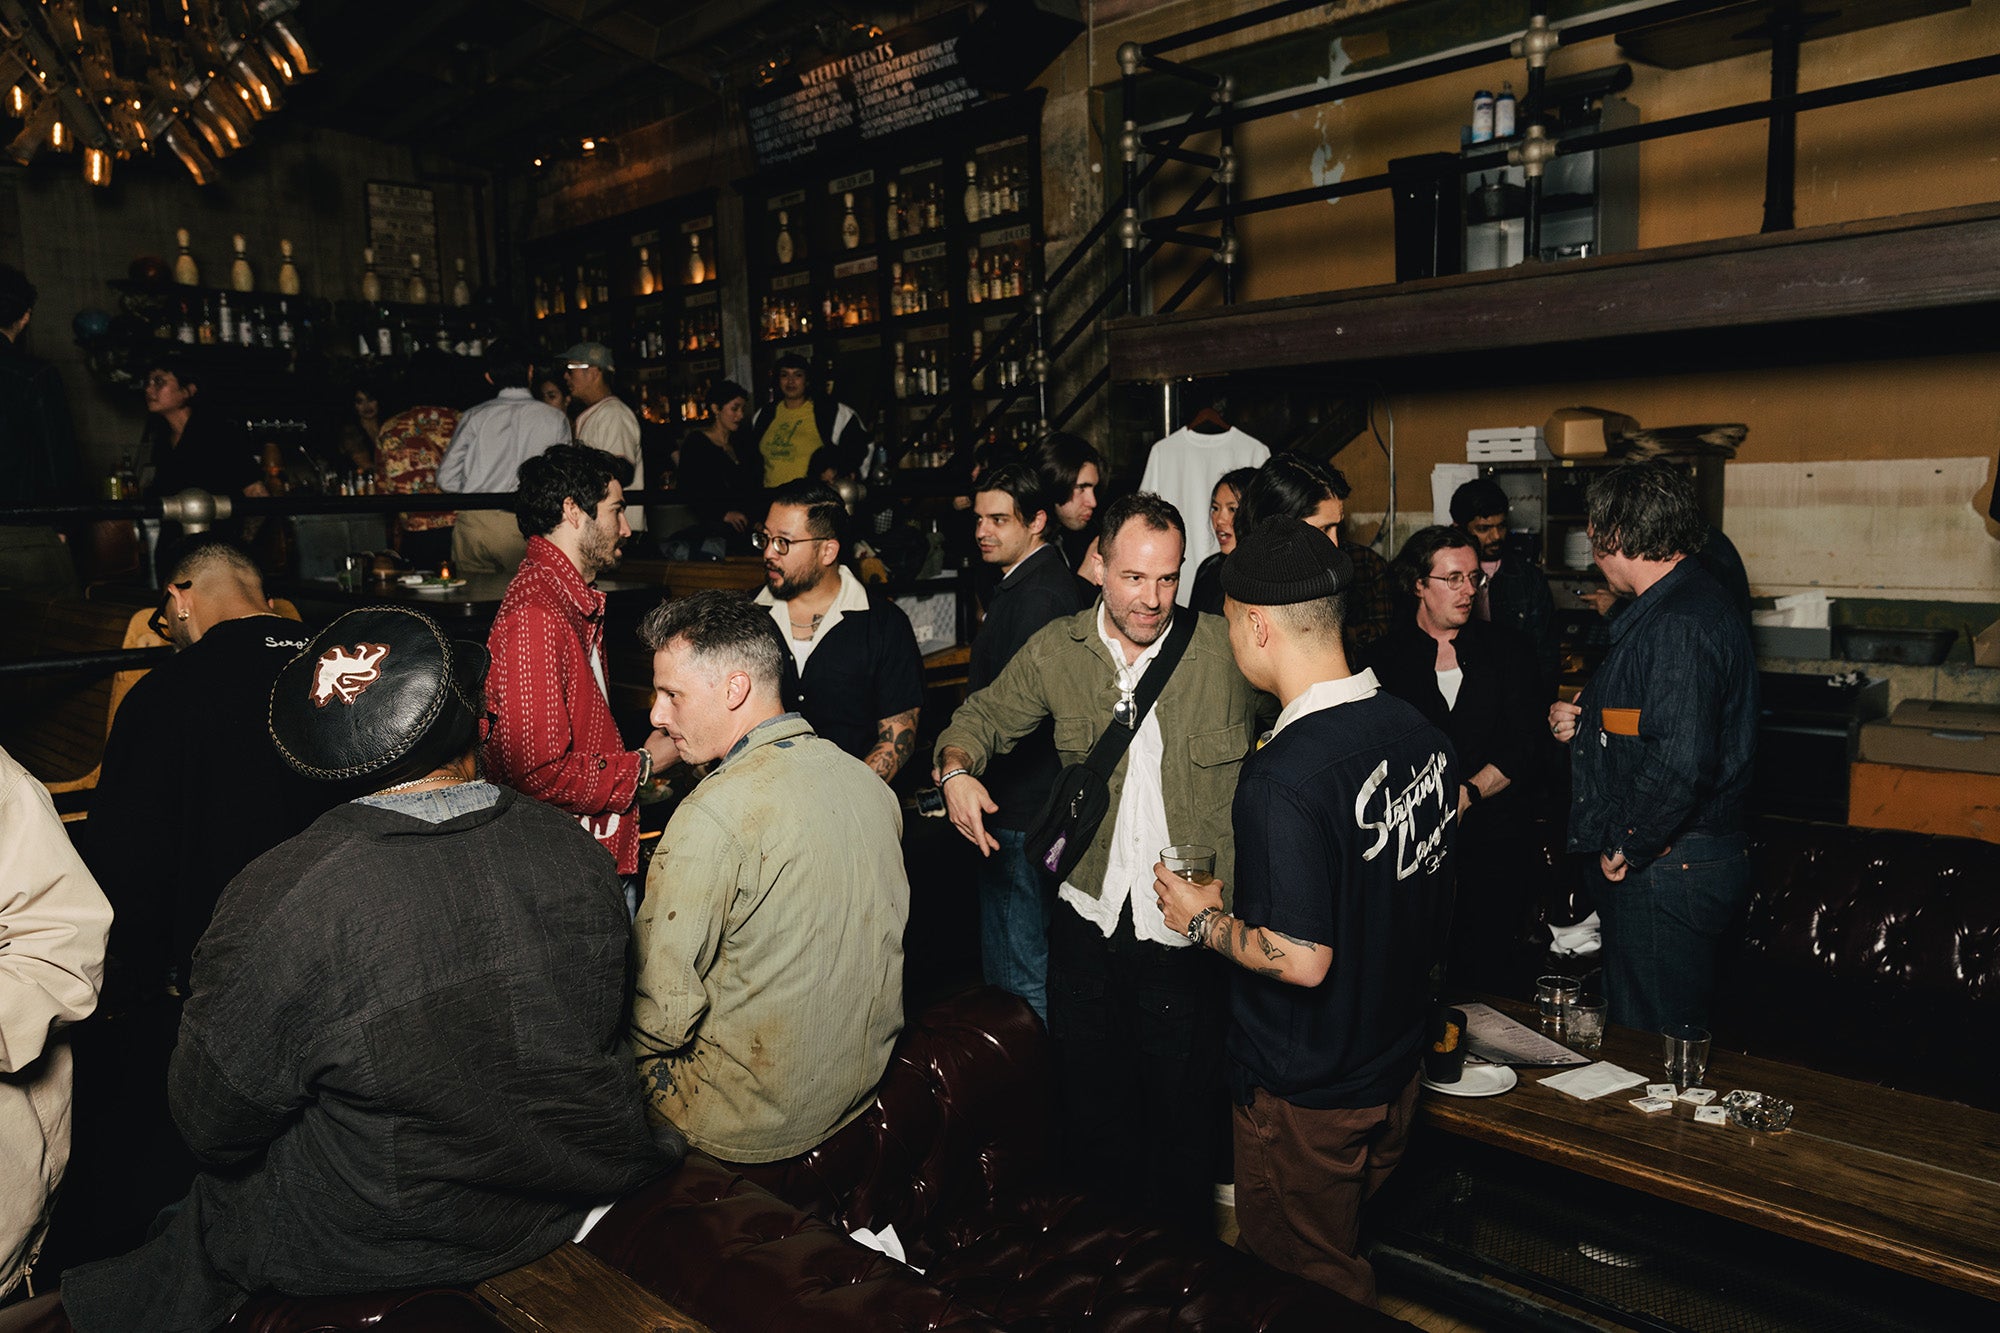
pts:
pixel 157 622
pixel 1455 580
pixel 782 545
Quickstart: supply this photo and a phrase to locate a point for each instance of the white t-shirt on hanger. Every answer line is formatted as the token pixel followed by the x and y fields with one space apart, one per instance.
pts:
pixel 1183 469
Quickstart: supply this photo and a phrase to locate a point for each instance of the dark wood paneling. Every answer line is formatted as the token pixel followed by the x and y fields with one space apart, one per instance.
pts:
pixel 1916 262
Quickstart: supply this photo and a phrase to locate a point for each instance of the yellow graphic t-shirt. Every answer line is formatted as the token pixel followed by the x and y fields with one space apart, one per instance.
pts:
pixel 789 443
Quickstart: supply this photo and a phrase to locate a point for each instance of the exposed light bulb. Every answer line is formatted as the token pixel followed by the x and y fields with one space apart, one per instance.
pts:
pixel 58 136
pixel 97 166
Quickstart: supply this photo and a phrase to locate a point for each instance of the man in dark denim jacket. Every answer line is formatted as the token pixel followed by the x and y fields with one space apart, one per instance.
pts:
pixel 1661 745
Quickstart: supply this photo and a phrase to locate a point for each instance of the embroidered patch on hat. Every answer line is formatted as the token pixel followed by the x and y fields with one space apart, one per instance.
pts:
pixel 343 673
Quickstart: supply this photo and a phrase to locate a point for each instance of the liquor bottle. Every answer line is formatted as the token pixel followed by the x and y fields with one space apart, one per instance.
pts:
pixel 973 212
pixel 896 310
pixel 697 269
pixel 385 333
pixel 913 300
pixel 647 283
pixel 418 293
pixel 204 332
pixel 185 272
pixel 933 207
pixel 899 378
pixel 371 286
pixel 582 302
pixel 996 280
pixel 784 237
pixel 989 206
pixel 286 334
pixel 225 321
pixel 850 226
pixel 240 276
pixel 288 273
pixel 1014 276
pixel 975 284
pixel 184 331
pixel 979 375
pixel 461 290
pixel 892 215
pixel 246 328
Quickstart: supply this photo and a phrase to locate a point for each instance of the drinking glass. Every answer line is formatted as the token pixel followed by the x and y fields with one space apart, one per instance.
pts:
pixel 1685 1050
pixel 1190 860
pixel 1583 1022
pixel 1552 993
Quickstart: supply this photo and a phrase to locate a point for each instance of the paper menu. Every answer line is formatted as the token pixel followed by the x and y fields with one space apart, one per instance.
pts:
pixel 1497 1039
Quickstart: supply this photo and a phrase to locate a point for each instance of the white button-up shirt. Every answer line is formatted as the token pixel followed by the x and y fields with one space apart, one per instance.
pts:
pixel 1139 827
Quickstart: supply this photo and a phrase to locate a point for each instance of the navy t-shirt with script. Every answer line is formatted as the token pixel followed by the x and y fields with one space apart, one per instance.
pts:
pixel 1345 822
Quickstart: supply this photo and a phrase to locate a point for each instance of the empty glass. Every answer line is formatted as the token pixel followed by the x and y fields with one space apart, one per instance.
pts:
pixel 1583 1023
pixel 1190 860
pixel 1684 1047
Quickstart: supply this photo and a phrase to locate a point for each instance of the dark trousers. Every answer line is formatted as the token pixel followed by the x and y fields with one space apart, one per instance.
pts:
pixel 1663 927
pixel 1138 1030
pixel 1302 1176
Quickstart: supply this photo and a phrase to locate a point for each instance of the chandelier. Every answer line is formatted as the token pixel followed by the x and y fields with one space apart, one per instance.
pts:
pixel 186 79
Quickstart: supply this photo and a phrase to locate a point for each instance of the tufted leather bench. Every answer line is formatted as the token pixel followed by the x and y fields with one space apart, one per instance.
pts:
pixel 954 1153
pixel 1869 953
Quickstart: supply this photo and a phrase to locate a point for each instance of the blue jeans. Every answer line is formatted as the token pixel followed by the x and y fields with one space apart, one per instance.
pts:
pixel 1663 927
pixel 1014 922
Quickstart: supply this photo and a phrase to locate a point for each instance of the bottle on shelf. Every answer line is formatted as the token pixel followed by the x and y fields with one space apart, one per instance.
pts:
pixel 933 207
pixel 240 276
pixel 979 374
pixel 582 302
pixel 185 330
pixel 461 290
pixel 225 320
pixel 896 310
pixel 417 293
pixel 785 248
pixel 975 283
pixel 371 286
pixel 1482 116
pixel 996 279
pixel 646 283
pixel 892 215
pixel 899 377
pixel 850 226
pixel 385 333
pixel 285 333
pixel 973 211
pixel 989 204
pixel 246 329
pixel 914 300
pixel 1503 112
pixel 204 332
pixel 186 273
pixel 697 269
pixel 288 273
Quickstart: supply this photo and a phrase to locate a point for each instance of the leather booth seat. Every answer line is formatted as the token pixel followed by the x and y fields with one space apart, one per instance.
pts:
pixel 1869 953
pixel 955 1154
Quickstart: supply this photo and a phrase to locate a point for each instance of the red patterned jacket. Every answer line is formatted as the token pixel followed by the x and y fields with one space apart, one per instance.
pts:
pixel 554 738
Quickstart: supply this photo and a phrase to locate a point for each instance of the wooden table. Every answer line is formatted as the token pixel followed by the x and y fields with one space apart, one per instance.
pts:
pixel 1907 1182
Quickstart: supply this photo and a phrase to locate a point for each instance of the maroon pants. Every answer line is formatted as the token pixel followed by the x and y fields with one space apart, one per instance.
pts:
pixel 1302 1176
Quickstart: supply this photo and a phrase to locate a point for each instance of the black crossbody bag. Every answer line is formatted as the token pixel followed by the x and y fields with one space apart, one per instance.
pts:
pixel 1081 796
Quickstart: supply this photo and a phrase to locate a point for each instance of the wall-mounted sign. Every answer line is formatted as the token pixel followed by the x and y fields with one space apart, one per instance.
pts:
pixel 402 221
pixel 911 77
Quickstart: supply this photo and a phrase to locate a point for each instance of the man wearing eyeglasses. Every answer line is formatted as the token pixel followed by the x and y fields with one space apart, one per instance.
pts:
pixel 860 676
pixel 1472 679
pixel 1516 594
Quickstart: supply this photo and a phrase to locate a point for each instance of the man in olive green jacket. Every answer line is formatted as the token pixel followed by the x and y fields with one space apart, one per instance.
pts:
pixel 1138 1015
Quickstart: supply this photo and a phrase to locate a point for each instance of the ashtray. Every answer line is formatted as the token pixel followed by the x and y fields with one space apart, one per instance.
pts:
pixel 1758 1110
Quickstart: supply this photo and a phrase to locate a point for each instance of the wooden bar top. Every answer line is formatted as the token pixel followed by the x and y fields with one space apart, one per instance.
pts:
pixel 1908 1182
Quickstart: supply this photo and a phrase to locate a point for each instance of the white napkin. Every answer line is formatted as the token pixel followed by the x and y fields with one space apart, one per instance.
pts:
pixel 885 1241
pixel 1581 938
pixel 1593 1080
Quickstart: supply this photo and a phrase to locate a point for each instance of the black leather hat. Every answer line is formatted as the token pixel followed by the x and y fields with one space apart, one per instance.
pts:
pixel 380 693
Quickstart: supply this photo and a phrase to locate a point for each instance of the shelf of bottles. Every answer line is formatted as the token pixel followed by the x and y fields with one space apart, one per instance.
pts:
pixel 894 274
pixel 646 286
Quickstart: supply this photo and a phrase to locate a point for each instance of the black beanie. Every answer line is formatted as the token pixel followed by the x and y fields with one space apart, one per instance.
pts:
pixel 1282 561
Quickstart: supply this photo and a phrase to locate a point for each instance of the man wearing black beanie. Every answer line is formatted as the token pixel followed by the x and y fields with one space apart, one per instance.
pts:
pixel 1344 817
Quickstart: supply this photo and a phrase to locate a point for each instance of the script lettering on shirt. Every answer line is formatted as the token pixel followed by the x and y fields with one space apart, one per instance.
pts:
pixel 296 645
pixel 1404 811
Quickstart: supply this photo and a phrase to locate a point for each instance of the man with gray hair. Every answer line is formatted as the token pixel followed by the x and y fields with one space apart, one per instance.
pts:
pixel 770 941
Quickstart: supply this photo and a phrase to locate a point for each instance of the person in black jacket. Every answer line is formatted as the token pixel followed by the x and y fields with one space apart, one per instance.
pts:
pixel 1477 682
pixel 798 423
pixel 1012 516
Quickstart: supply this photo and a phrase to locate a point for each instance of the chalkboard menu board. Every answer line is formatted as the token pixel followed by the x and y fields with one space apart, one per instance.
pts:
pixel 912 77
pixel 402 221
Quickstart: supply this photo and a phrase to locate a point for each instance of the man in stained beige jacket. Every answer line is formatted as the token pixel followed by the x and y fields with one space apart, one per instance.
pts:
pixel 53 923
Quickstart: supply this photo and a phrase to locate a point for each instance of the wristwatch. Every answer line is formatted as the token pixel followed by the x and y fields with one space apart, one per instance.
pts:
pixel 1197 926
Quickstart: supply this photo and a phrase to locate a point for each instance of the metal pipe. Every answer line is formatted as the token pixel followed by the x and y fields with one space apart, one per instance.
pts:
pixel 1174 68
pixel 1781 155
pixel 1187 155
pixel 94 664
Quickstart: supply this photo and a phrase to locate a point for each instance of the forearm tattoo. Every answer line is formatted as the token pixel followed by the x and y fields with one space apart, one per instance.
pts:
pixel 895 742
pixel 1254 948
